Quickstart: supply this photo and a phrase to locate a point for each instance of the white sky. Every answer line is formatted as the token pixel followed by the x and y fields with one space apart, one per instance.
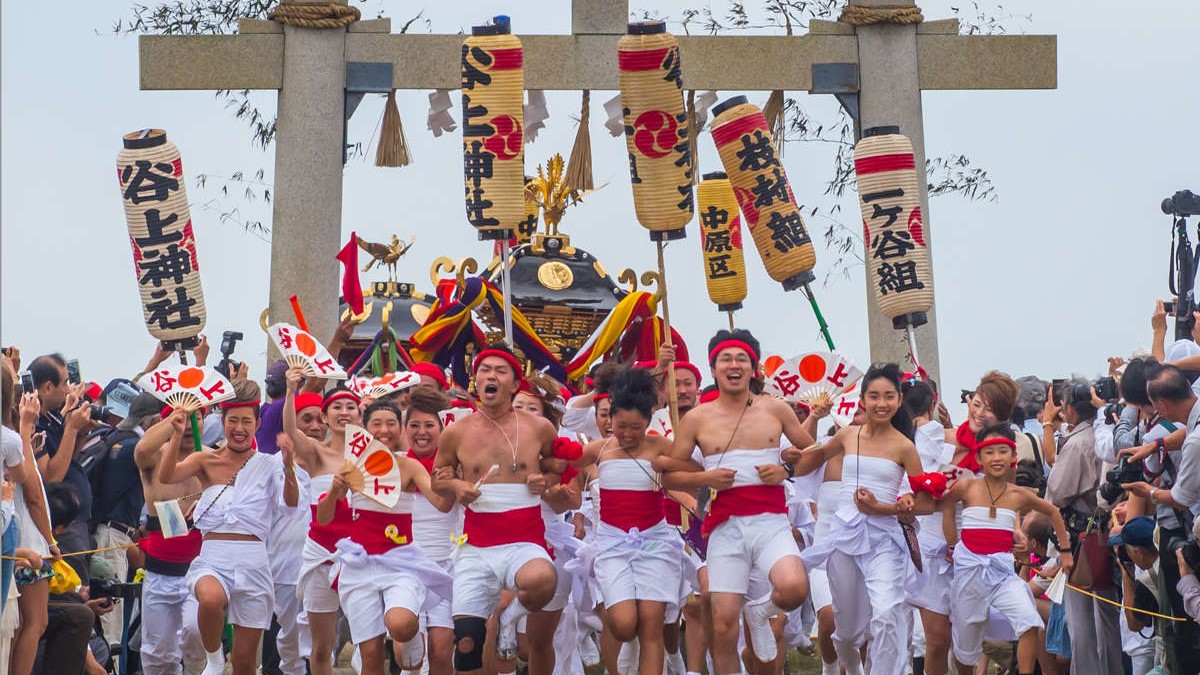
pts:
pixel 1058 274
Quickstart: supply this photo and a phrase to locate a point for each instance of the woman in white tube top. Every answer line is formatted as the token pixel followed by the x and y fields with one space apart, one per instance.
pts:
pixel 869 564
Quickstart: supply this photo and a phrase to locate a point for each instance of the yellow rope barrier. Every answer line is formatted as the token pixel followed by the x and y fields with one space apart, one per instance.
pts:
pixel 68 555
pixel 1117 604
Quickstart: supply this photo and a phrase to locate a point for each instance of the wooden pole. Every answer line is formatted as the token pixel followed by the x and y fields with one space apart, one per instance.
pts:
pixel 912 345
pixel 730 313
pixel 506 285
pixel 672 401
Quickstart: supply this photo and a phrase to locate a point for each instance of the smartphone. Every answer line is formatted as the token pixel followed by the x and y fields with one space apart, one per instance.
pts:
pixel 27 383
pixel 1056 390
pixel 73 371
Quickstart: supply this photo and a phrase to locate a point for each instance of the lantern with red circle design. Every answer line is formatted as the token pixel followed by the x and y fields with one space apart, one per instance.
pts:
pixel 656 129
pixel 493 93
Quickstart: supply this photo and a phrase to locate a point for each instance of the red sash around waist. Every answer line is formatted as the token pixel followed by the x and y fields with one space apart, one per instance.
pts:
pixel 986 541
pixel 505 527
pixel 174 550
pixel 627 509
pixel 672 511
pixel 378 532
pixel 749 500
pixel 337 529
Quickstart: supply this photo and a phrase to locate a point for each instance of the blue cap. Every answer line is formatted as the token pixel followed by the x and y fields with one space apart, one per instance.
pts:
pixel 1136 532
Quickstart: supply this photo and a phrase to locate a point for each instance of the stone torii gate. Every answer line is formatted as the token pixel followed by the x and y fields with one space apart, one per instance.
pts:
pixel 876 71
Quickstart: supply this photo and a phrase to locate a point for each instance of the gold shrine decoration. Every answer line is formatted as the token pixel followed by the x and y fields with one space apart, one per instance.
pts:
pixel 762 191
pixel 529 223
pixel 656 129
pixel 896 252
pixel 150 174
pixel 493 91
pixel 721 242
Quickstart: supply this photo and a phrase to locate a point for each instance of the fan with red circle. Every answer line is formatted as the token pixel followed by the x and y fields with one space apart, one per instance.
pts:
pixel 816 378
pixel 187 387
pixel 371 469
pixel 378 387
pixel 300 348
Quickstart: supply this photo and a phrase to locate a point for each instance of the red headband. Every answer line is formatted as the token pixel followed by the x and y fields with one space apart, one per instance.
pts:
pixel 335 396
pixel 732 344
pixel 998 440
pixel 508 358
pixel 431 371
pixel 684 365
pixel 230 405
pixel 709 396
pixel 308 399
pixel 598 397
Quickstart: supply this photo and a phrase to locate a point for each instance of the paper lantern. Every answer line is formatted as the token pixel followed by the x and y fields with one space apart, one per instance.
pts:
pixel 493 93
pixel 529 223
pixel 761 188
pixel 150 174
pixel 893 232
pixel 721 242
pixel 656 129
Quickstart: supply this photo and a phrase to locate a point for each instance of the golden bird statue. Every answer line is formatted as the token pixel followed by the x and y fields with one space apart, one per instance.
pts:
pixel 387 254
pixel 551 193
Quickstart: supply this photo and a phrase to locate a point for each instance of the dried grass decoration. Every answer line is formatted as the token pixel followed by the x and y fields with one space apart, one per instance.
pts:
pixel 187 388
pixel 656 129
pixel 761 188
pixel 392 150
pixel 150 174
pixel 493 91
pixel 896 252
pixel 721 242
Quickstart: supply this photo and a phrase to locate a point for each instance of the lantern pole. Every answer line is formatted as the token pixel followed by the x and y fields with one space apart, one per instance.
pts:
pixel 662 287
pixel 506 286
pixel 730 313
pixel 812 300
pixel 912 344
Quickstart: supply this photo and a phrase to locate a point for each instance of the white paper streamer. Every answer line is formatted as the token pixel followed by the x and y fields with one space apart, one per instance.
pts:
pixel 536 114
pixel 616 121
pixel 704 101
pixel 439 120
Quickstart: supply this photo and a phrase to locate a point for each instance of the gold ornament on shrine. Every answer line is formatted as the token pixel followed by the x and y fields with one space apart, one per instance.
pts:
pixel 493 90
pixel 762 191
pixel 896 252
pixel 150 175
pixel 529 224
pixel 656 129
pixel 721 242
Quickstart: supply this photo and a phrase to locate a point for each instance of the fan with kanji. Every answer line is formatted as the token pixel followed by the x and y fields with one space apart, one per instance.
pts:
pixel 186 387
pixel 816 378
pixel 378 387
pixel 300 348
pixel 372 468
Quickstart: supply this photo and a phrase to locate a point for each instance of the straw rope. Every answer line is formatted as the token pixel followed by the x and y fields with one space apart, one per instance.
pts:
pixel 1117 604
pixel 315 14
pixel 865 15
pixel 68 555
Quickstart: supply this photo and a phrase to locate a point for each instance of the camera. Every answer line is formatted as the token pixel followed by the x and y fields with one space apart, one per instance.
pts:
pixel 229 340
pixel 1106 389
pixel 111 588
pixel 1191 552
pixel 1182 203
pixel 1124 472
pixel 99 412
pixel 965 395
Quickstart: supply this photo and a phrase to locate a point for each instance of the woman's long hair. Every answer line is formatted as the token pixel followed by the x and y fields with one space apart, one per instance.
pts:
pixel 902 421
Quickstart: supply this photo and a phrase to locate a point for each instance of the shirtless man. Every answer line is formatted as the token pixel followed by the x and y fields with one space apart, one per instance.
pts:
pixel 164 589
pixel 749 532
pixel 505 536
pixel 243 490
pixel 305 420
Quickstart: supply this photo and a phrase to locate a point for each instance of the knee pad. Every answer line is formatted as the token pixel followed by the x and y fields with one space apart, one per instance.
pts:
pixel 472 628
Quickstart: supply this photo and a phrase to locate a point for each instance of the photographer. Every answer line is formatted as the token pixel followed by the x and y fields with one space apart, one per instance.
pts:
pixel 1169 391
pixel 1137 556
pixel 1071 486
pixel 72 616
pixel 66 420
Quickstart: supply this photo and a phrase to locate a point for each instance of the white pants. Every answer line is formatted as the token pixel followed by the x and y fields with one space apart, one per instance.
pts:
pixel 119 562
pixel 744 545
pixel 242 570
pixel 167 604
pixel 481 572
pixel 868 593
pixel 980 591
pixel 288 641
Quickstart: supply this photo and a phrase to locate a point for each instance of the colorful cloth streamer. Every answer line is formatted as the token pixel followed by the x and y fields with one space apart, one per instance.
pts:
pixel 644 337
pixel 451 328
pixel 636 306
